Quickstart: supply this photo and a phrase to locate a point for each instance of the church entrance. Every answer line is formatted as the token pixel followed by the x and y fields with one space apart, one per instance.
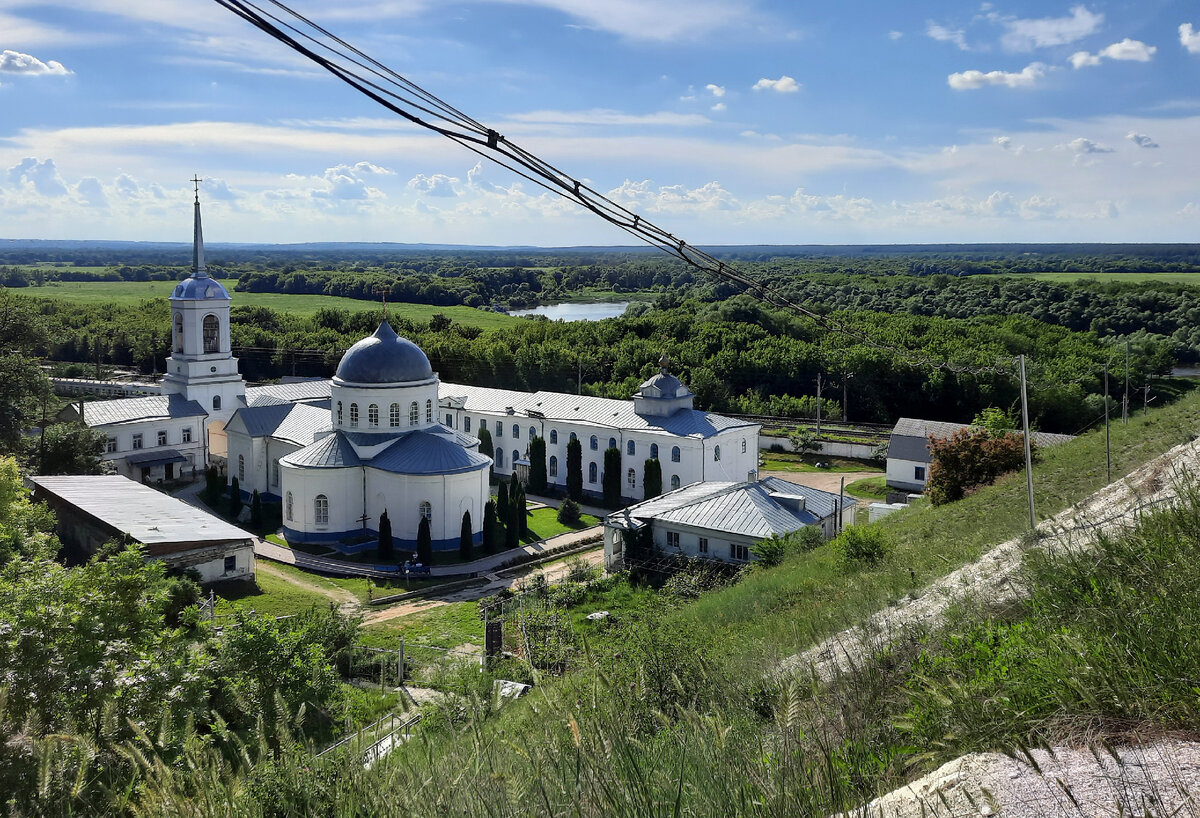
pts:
pixel 169 471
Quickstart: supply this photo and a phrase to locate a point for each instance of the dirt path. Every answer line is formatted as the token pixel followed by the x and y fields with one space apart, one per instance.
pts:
pixel 339 595
pixel 825 481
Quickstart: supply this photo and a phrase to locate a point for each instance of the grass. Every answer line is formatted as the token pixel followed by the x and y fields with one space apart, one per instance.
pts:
pixel 272 596
pixel 443 626
pixel 543 523
pixel 1141 278
pixel 787 461
pixel 135 292
pixel 868 488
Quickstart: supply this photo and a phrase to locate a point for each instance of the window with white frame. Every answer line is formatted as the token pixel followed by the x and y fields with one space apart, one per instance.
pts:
pixel 631 478
pixel 373 415
pixel 274 472
pixel 672 539
pixel 111 445
pixel 212 329
pixel 554 467
pixel 137 440
pixel 516 432
pixel 449 420
pixel 466 423
pixel 241 468
pixel 216 401
pixel 532 433
pixel 595 443
pixel 482 424
pixel 674 481
pixel 674 454
pixel 702 547
pixel 162 438
pixel 554 437
pixel 612 443
pixel 339 413
pixel 429 411
pixel 499 429
pixel 287 506
pixel 414 414
pixel 591 472
pixel 426 509
pixel 654 451
pixel 394 416
pixel 630 448
pixel 186 434
pixel 918 472
pixel 353 415
pixel 738 552
pixel 321 510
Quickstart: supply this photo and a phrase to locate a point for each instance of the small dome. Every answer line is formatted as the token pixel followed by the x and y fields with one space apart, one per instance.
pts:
pixel 384 357
pixel 668 385
pixel 200 289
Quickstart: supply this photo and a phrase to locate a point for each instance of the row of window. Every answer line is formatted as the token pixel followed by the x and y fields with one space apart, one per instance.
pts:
pixel 414 414
pixel 736 551
pixel 139 439
pixel 321 509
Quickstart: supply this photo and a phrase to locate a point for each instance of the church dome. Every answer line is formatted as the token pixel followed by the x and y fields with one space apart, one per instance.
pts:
pixel 668 385
pixel 384 358
pixel 200 289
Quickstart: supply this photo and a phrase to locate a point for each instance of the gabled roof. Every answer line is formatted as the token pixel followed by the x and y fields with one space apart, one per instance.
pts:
pixel 606 412
pixel 821 503
pixel 910 438
pixel 424 453
pixel 132 410
pixel 332 452
pixel 296 392
pixel 297 423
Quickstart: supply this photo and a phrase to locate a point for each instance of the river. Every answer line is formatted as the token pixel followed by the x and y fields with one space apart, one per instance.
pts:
pixel 577 311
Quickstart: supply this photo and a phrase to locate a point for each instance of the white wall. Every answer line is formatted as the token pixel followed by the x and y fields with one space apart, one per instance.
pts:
pixel 901 474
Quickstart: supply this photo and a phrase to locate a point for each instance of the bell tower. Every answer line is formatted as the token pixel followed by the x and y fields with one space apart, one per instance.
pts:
pixel 202 367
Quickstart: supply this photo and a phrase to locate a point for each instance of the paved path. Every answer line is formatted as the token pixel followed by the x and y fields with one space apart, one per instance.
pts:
pixel 823 480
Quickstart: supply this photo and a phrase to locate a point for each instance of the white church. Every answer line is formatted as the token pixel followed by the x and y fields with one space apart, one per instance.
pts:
pixel 385 434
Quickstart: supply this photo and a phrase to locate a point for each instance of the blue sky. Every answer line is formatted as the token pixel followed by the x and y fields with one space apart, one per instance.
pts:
pixel 724 121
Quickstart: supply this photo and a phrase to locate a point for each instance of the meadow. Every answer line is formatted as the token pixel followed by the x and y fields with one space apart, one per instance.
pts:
pixel 1192 279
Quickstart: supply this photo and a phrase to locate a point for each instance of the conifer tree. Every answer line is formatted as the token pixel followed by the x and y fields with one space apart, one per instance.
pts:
pixel 466 548
pixel 386 545
pixel 652 478
pixel 502 500
pixel 612 477
pixel 256 518
pixel 491 525
pixel 575 469
pixel 235 499
pixel 424 543
pixel 537 466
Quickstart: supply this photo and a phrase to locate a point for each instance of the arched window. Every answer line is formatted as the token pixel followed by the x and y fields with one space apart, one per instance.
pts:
pixel 212 329
pixel 516 457
pixel 373 415
pixel 674 454
pixel 674 481
pixel 179 332
pixel 353 415
pixel 500 457
pixel 630 448
pixel 216 401
pixel 466 423
pixel 394 415
pixel 274 472
pixel 574 436
pixel 554 467
pixel 612 443
pixel 339 413
pixel 321 510
pixel 429 411
pixel 414 414
pixel 426 509
pixel 654 451
pixel 499 428
pixel 482 424
pixel 716 453
pixel 554 437
pixel 743 445
pixel 595 443
pixel 287 506
pixel 533 433
pixel 241 469
pixel 631 477
pixel 591 472
pixel 516 432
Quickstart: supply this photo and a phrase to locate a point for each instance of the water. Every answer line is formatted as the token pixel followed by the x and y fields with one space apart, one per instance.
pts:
pixel 577 312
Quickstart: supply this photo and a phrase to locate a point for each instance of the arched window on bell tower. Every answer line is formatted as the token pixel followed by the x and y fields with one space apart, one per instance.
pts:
pixel 179 332
pixel 212 334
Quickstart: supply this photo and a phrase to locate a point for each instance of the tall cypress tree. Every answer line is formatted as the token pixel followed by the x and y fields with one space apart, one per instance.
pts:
pixel 256 518
pixel 537 465
pixel 235 499
pixel 424 543
pixel 385 549
pixel 612 477
pixel 575 469
pixel 502 500
pixel 512 533
pixel 486 447
pixel 652 478
pixel 522 514
pixel 466 548
pixel 491 534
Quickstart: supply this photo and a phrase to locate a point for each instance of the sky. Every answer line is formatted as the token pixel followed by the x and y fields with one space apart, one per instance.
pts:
pixel 722 121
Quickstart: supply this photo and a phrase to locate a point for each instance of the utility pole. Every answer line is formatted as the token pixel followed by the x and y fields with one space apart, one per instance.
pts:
pixel 1125 401
pixel 818 404
pixel 841 506
pixel 1028 451
pixel 1145 400
pixel 579 384
pixel 845 399
pixel 1107 439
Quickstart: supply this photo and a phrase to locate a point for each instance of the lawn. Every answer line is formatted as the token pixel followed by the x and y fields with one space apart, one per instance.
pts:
pixel 442 626
pixel 135 292
pixel 868 488
pixel 543 524
pixel 272 596
pixel 786 461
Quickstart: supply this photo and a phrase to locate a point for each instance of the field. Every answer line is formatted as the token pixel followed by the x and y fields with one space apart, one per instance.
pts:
pixel 135 292
pixel 1140 278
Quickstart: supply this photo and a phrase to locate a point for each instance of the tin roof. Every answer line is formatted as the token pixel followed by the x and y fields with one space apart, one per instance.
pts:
pixel 421 452
pixel 298 423
pixel 295 392
pixel 133 410
pixel 910 438
pixel 144 514
pixel 332 452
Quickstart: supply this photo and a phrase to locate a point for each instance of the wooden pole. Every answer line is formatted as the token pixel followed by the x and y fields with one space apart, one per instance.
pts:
pixel 1028 450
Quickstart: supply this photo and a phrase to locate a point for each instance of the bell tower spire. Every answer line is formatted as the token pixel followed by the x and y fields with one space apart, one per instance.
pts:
pixel 198 268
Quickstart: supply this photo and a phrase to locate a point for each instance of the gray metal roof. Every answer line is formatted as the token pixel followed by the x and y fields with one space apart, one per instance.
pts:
pixel 296 392
pixel 146 515
pixel 199 288
pixel 607 412
pixel 421 452
pixel 377 438
pixel 821 503
pixel 384 357
pixel 155 458
pixel 297 423
pixel 910 438
pixel 332 452
pixel 133 410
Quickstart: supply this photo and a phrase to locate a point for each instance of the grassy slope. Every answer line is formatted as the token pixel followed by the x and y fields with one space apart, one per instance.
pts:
pixel 134 292
pixel 1144 278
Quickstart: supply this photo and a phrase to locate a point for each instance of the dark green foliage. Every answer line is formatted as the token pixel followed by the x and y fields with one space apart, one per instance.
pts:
pixel 502 501
pixel 424 543
pixel 774 550
pixel 611 480
pixel 652 478
pixel 466 546
pixel 568 512
pixel 537 465
pixel 387 545
pixel 491 528
pixel 235 499
pixel 486 447
pixel 861 546
pixel 67 448
pixel 214 484
pixel 575 469
pixel 256 511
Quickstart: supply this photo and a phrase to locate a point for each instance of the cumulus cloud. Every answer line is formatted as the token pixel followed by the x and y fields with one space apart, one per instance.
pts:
pixel 1005 143
pixel 720 106
pixel 217 190
pixel 1082 146
pixel 439 184
pixel 14 62
pixel 716 90
pixel 346 182
pixel 1025 78
pixel 40 176
pixel 895 35
pixel 1028 34
pixel 674 198
pixel 1141 140
pixel 783 85
pixel 91 192
pixel 1127 49
pixel 946 35
pixel 127 186
pixel 1189 38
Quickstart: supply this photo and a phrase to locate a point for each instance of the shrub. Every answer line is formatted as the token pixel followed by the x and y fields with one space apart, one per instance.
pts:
pixel 861 546
pixel 568 512
pixel 774 550
pixel 971 458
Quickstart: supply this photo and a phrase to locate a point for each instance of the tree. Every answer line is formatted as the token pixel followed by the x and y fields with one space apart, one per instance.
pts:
pixel 491 533
pixel 995 420
pixel 611 482
pixel 256 517
pixel 68 448
pixel 568 512
pixel 575 469
pixel 652 478
pixel 502 500
pixel 235 499
pixel 486 447
pixel 971 458
pixel 386 547
pixel 537 465
pixel 512 530
pixel 213 484
pixel 424 542
pixel 804 441
pixel 466 545
pixel 522 514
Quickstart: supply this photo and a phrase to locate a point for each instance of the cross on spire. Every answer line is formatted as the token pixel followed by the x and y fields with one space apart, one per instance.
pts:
pixel 196 180
pixel 383 291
